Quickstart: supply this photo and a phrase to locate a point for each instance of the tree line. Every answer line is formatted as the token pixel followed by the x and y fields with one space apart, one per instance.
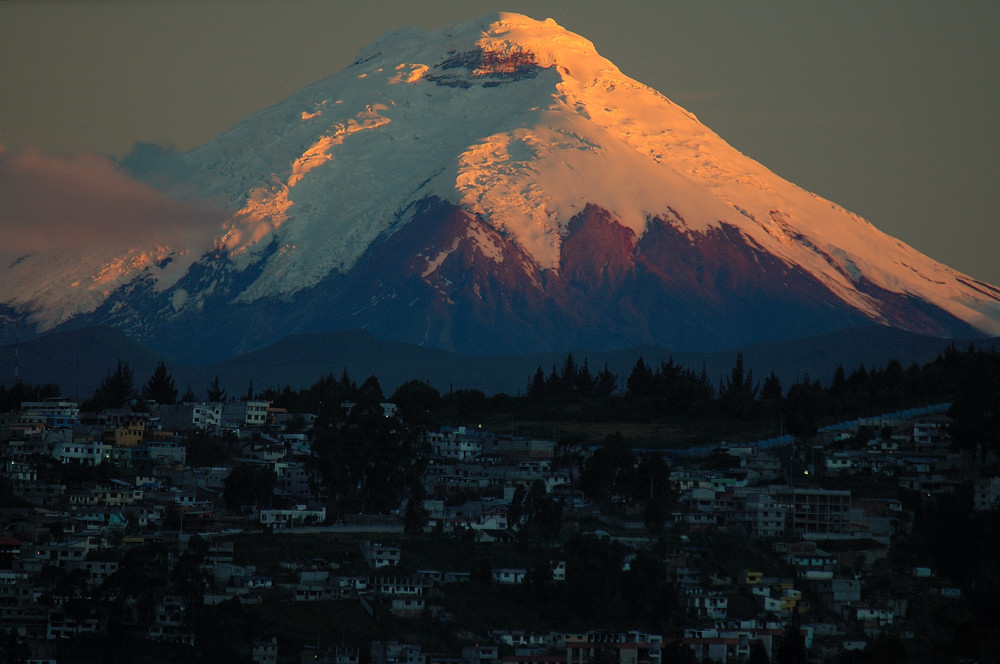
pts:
pixel 969 378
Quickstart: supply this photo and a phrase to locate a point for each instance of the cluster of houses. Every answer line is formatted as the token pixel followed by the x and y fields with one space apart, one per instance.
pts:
pixel 823 540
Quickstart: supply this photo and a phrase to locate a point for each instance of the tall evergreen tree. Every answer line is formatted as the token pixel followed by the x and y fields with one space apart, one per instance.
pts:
pixel 415 517
pixel 771 389
pixel 640 381
pixel 738 392
pixel 975 409
pixel 160 387
pixel 606 383
pixel 567 379
pixel 536 385
pixel 792 649
pixel 115 390
pixel 584 380
pixel 216 393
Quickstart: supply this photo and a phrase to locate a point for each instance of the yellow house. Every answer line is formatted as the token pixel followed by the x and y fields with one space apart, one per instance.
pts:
pixel 130 436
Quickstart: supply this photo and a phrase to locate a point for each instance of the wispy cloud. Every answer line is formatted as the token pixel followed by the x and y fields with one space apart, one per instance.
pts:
pixel 84 201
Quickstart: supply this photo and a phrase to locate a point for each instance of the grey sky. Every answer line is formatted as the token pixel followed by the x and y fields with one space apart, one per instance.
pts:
pixel 887 108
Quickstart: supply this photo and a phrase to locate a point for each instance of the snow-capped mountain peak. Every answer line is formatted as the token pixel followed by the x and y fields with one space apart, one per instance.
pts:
pixel 530 140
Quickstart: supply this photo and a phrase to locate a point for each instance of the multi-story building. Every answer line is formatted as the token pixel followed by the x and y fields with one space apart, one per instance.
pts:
pixel 761 517
pixel 84 451
pixel 813 511
pixel 378 555
pixel 245 413
pixel 190 416
pixel 393 652
pixel 706 603
pixel 459 443
pixel 299 515
pixel 613 648
pixel 55 413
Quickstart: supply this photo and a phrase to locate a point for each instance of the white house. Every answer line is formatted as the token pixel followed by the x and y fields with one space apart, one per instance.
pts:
pixel 509 575
pixel 300 515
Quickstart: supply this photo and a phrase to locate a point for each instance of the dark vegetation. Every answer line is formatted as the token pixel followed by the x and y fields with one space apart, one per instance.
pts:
pixel 671 405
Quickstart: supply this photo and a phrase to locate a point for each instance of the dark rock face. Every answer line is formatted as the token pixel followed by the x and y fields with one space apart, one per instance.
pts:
pixel 484 67
pixel 447 279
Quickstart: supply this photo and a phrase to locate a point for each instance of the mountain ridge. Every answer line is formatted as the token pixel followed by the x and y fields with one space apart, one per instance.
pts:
pixel 500 186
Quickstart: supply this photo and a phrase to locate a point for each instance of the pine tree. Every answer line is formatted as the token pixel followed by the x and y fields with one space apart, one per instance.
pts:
pixel 606 383
pixel 516 509
pixel 536 386
pixel 584 380
pixel 738 392
pixel 160 387
pixel 216 393
pixel 772 388
pixel 415 517
pixel 115 391
pixel 640 381
pixel 792 649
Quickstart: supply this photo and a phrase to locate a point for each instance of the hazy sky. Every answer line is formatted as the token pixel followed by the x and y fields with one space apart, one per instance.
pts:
pixel 887 108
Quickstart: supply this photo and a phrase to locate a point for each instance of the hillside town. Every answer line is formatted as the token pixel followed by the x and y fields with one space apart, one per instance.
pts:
pixel 149 524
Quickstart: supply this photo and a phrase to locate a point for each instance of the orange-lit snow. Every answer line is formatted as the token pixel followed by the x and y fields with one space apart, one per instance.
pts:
pixel 538 126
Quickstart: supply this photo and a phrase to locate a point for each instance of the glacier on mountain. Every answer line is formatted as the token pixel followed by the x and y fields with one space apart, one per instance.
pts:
pixel 523 125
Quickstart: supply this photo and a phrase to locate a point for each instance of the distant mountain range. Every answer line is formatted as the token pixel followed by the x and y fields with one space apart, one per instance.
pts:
pixel 492 189
pixel 78 360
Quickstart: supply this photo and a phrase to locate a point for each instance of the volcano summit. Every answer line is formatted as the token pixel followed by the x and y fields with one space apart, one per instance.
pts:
pixel 494 187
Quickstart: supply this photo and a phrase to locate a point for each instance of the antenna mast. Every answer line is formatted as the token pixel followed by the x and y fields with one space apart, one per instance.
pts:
pixel 17 349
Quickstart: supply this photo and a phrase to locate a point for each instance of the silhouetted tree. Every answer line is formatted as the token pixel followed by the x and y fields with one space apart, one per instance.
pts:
pixel 248 485
pixel 975 409
pixel 369 398
pixel 678 652
pixel 417 400
pixel 567 379
pixel 216 393
pixel 536 385
pixel 415 517
pixel 680 391
pixel 11 399
pixel 792 649
pixel 584 380
pixel 645 590
pixel 160 387
pixel 115 390
pixel 640 381
pixel 738 392
pixel 516 509
pixel 758 654
pixel 802 407
pixel 606 382
pixel 771 389
pixel 542 515
pixel 610 470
